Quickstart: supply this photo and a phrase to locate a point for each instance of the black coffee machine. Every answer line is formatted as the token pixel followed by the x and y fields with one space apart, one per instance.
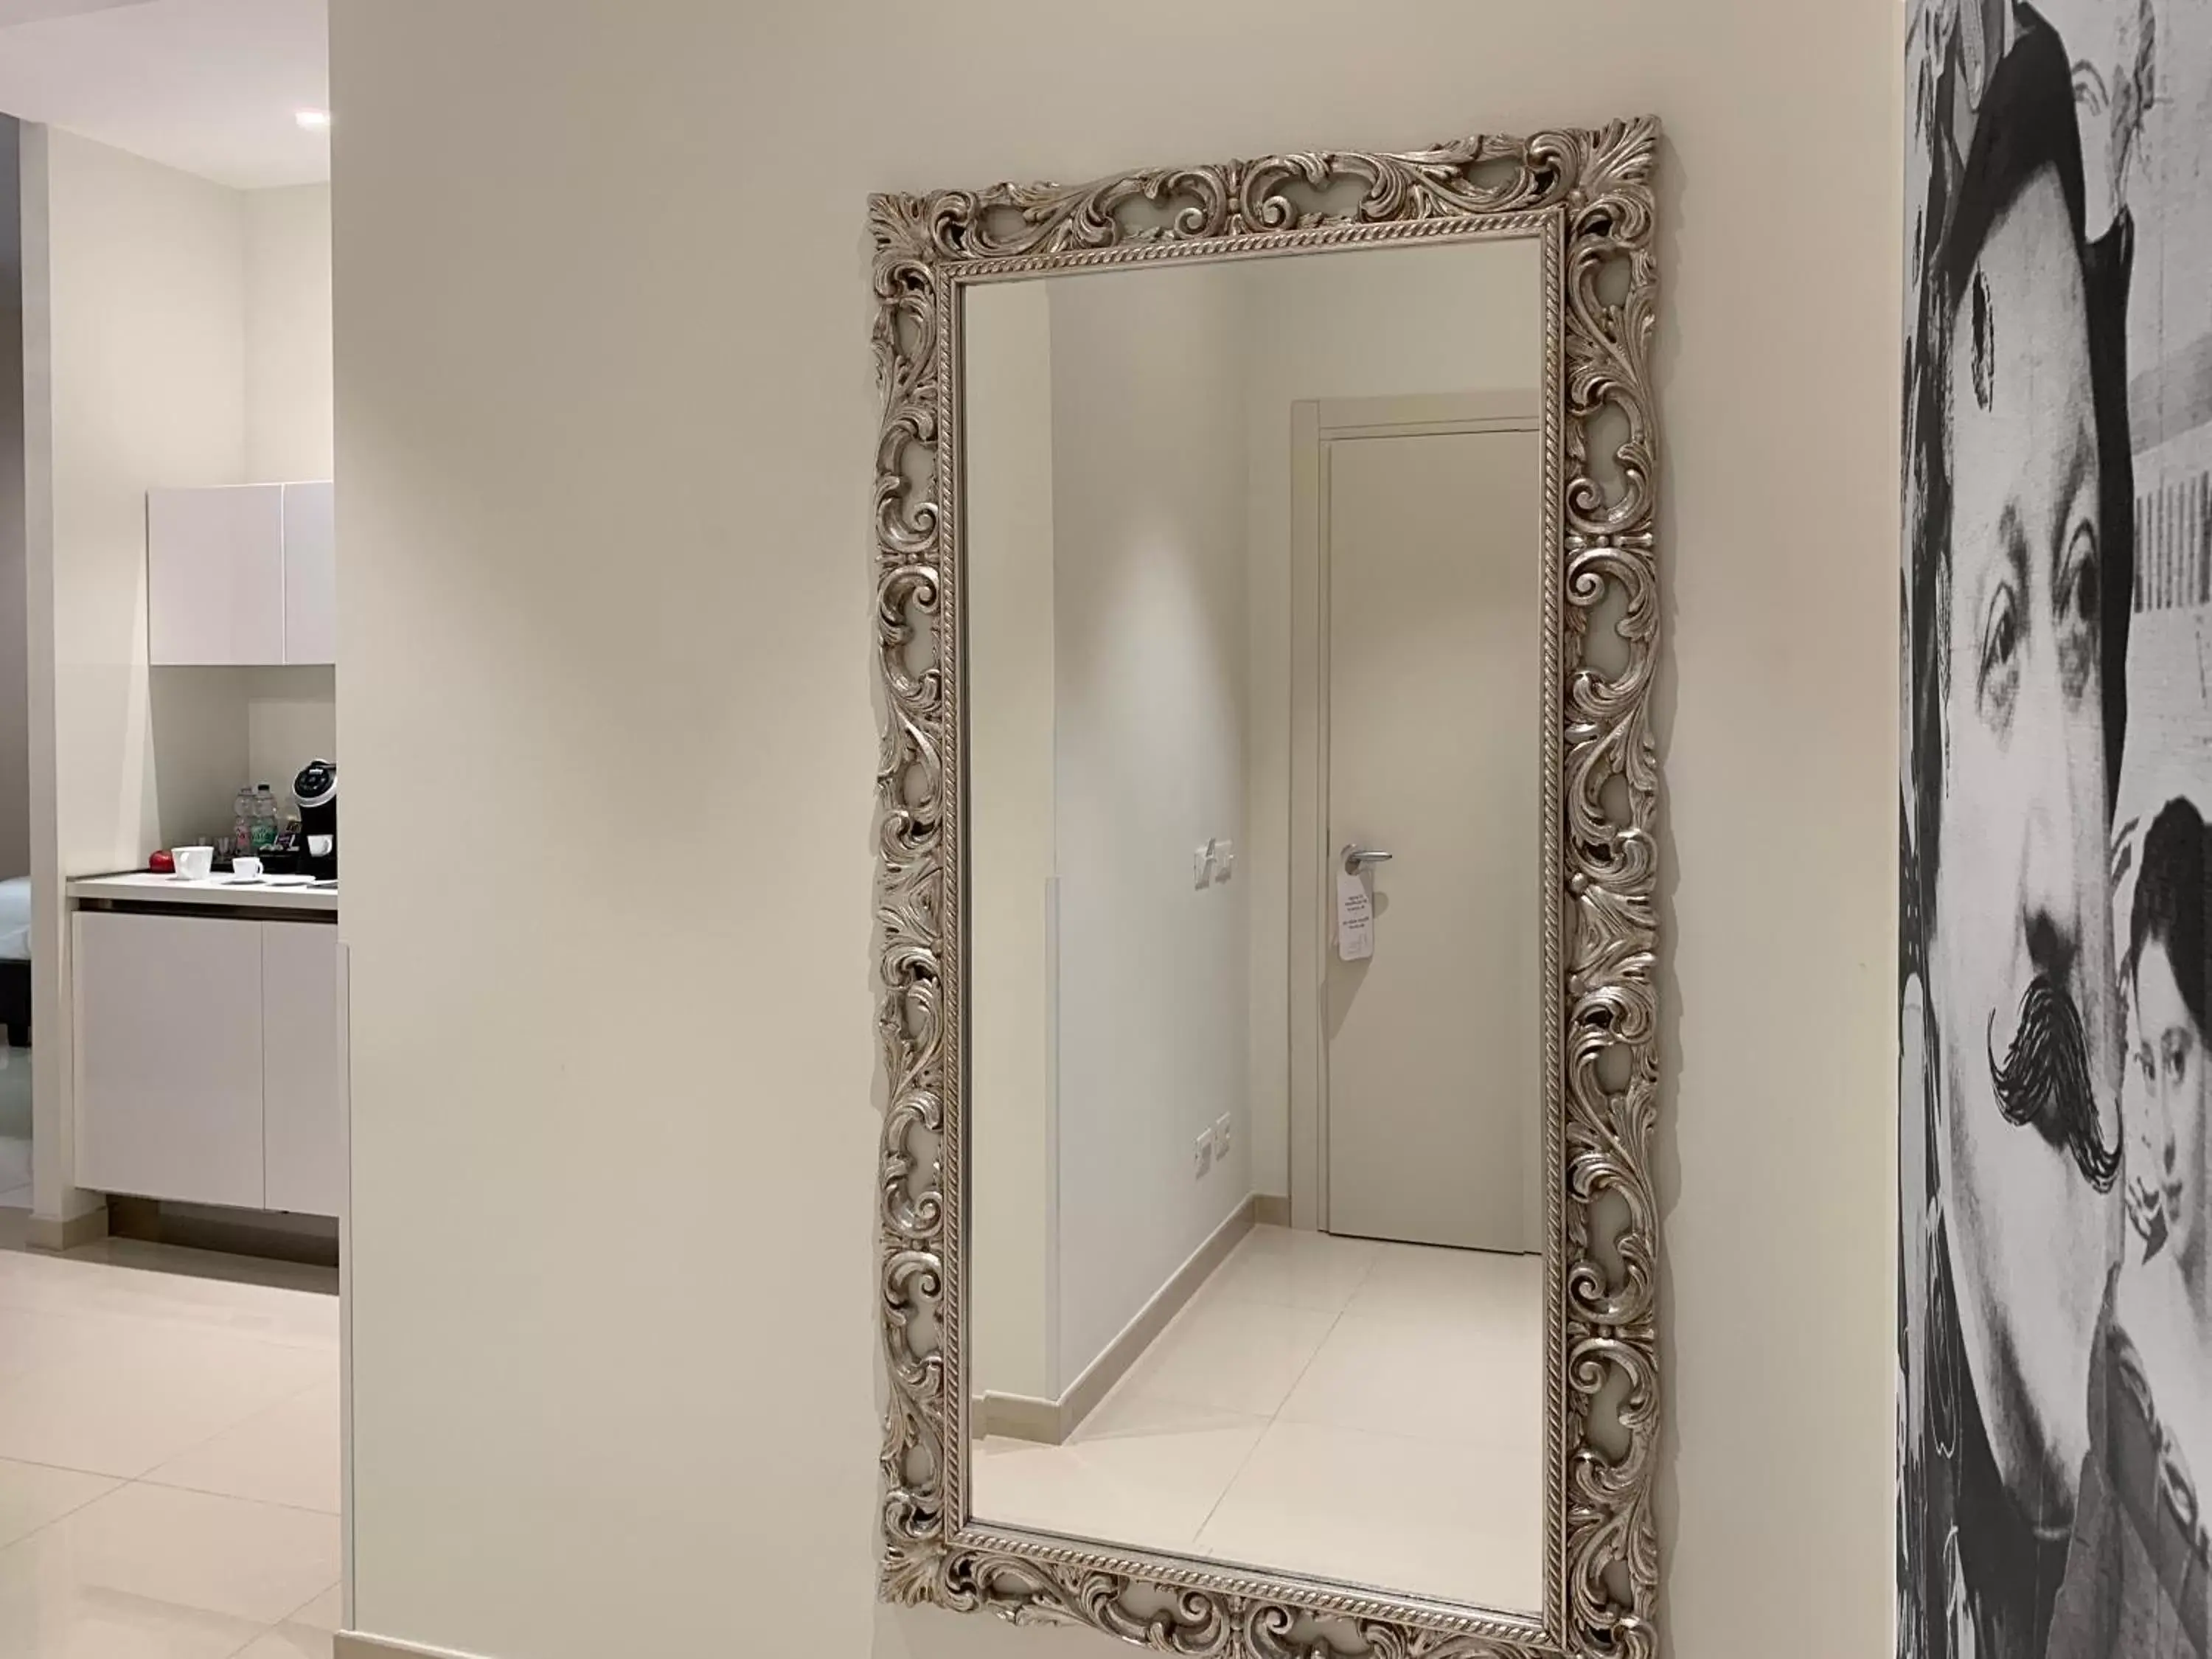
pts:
pixel 316 789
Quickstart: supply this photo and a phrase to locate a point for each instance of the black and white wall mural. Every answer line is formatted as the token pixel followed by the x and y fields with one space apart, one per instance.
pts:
pixel 2054 1347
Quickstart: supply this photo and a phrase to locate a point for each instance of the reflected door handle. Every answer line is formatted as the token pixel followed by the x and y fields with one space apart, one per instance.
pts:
pixel 1357 858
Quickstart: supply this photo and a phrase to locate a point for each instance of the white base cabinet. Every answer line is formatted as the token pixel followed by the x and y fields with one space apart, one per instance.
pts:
pixel 168 1057
pixel 302 1087
pixel 208 1068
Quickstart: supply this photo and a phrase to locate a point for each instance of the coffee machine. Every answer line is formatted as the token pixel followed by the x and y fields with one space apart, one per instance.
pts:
pixel 316 789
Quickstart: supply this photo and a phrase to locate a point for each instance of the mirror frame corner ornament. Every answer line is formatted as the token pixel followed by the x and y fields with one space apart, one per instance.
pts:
pixel 1588 195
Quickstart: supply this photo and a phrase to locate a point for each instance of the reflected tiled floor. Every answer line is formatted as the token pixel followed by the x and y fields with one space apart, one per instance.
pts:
pixel 1359 1410
pixel 168 1456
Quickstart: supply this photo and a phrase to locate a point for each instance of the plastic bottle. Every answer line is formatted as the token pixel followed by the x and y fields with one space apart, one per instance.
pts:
pixel 264 818
pixel 241 829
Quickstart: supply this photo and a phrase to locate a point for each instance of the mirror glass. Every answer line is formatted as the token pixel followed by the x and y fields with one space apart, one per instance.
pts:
pixel 1253 595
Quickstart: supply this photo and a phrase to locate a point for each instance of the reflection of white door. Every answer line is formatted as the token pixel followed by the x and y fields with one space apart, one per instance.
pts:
pixel 1433 1106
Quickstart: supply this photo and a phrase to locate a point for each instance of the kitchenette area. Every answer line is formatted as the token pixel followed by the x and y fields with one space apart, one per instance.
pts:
pixel 182 951
pixel 210 1068
pixel 206 986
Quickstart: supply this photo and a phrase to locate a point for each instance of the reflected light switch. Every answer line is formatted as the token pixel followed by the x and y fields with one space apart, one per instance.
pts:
pixel 1213 862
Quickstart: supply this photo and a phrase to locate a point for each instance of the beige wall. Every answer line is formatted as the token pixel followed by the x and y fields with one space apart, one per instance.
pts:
pixel 287 332
pixel 139 383
pixel 607 521
pixel 291 714
pixel 291 718
pixel 1011 1331
pixel 1148 593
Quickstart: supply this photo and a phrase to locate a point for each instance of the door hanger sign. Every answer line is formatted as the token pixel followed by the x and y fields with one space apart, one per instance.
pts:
pixel 1355 918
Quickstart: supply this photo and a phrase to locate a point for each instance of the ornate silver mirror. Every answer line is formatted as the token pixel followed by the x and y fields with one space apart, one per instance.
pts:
pixel 1267 609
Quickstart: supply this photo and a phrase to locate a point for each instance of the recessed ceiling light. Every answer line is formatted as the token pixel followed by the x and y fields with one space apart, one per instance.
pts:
pixel 313 119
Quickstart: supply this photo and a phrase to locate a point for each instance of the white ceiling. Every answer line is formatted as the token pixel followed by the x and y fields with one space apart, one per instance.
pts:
pixel 209 86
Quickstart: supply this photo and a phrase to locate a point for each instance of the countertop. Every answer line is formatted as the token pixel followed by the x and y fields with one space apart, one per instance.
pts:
pixel 229 892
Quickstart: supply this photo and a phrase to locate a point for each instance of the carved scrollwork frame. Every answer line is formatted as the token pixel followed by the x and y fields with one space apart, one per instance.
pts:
pixel 1587 196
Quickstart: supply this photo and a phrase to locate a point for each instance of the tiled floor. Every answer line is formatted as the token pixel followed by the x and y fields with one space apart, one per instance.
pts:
pixel 168 1456
pixel 1363 1411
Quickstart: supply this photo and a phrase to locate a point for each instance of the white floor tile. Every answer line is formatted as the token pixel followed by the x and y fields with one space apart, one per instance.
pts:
pixel 106 1366
pixel 1469 1287
pixel 1452 1382
pixel 1126 1411
pixel 257 1562
pixel 1154 1490
pixel 66 1621
pixel 325 1613
pixel 1293 1269
pixel 1364 1411
pixel 287 1453
pixel 152 1395
pixel 30 1339
pixel 79 1286
pixel 1237 1356
pixel 31 1495
pixel 1382 1510
pixel 291 1641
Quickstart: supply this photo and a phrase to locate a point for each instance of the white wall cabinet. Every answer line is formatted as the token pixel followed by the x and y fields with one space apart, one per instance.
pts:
pixel 311 572
pixel 214 574
pixel 208 1061
pixel 246 574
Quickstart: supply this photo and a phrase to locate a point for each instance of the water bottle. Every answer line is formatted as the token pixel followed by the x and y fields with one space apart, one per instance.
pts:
pixel 264 818
pixel 241 829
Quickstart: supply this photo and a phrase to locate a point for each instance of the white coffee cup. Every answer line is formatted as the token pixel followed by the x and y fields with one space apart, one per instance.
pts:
pixel 249 868
pixel 193 863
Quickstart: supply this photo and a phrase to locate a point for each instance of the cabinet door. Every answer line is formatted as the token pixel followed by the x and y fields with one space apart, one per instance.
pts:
pixel 303 1132
pixel 168 1057
pixel 214 574
pixel 311 573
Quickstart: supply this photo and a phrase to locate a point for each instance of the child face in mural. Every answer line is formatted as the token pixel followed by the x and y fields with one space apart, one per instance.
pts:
pixel 2022 971
pixel 2142 1116
pixel 2171 1056
pixel 2168 944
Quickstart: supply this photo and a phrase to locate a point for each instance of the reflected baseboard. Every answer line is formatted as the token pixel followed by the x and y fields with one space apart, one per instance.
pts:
pixel 1270 1210
pixel 1019 1417
pixel 1050 1422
